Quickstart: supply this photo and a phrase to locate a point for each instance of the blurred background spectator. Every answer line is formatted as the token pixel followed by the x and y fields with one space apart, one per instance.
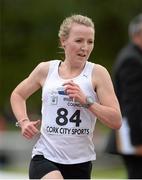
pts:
pixel 128 87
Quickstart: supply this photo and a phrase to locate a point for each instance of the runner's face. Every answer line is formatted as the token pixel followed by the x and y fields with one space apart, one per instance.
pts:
pixel 79 45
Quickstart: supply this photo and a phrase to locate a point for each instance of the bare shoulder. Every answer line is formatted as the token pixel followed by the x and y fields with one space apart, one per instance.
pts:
pixel 100 70
pixel 100 74
pixel 40 72
pixel 43 67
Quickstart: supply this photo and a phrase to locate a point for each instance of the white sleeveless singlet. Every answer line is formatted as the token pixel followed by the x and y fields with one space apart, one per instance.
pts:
pixel 67 127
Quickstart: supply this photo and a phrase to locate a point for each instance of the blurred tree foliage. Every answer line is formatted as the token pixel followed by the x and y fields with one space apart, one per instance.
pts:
pixel 29 35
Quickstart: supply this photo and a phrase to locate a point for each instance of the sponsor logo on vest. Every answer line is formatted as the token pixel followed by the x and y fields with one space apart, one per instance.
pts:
pixel 68 131
pixel 71 102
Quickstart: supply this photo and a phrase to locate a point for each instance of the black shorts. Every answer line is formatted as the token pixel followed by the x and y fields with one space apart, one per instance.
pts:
pixel 39 167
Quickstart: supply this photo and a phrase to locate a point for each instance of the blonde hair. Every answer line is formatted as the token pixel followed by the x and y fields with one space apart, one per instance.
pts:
pixel 67 23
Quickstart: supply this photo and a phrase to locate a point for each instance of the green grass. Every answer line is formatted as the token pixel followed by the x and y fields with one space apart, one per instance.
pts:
pixel 109 173
pixel 15 170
